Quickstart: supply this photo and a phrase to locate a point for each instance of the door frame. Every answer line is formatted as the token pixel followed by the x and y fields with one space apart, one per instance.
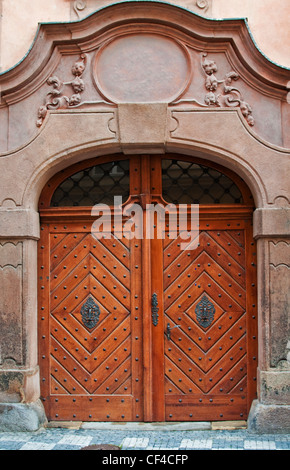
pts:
pixel 145 190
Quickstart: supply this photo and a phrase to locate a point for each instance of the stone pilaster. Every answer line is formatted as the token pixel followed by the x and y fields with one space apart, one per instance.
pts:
pixel 271 412
pixel 20 408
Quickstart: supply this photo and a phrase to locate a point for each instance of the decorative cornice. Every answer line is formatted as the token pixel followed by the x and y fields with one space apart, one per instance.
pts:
pixel 81 5
pixel 228 35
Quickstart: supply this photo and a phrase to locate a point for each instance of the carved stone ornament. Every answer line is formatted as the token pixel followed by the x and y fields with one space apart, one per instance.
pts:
pixel 205 312
pixel 90 312
pixel 56 99
pixel 114 83
pixel 144 67
pixel 79 5
pixel 202 4
pixel 230 96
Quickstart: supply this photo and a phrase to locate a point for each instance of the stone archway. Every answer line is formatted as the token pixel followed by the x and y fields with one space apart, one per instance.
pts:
pixel 84 362
pixel 90 120
pixel 89 368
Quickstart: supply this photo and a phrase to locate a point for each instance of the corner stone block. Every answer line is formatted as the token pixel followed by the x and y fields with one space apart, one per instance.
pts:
pixel 269 419
pixel 275 386
pixel 271 222
pixel 20 417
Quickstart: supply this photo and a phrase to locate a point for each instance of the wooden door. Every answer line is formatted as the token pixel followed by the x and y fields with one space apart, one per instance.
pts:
pixel 205 341
pixel 138 329
pixel 205 320
pixel 92 342
pixel 90 327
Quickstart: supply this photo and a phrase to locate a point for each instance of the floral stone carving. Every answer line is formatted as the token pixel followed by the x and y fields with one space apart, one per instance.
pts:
pixel 56 99
pixel 230 96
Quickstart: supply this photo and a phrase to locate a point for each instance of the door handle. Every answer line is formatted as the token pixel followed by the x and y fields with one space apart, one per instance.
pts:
pixel 168 330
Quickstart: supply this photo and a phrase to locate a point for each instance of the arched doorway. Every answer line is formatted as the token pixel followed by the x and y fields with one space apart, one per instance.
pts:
pixel 135 328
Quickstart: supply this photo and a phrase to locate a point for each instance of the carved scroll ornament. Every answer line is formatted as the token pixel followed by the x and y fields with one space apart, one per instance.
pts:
pixel 79 5
pixel 217 95
pixel 56 99
pixel 202 4
pixel 231 96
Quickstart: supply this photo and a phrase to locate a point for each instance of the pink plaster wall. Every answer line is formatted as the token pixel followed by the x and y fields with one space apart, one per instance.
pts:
pixel 268 21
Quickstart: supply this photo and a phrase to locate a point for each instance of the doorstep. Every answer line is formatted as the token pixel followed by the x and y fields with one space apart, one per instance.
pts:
pixel 139 426
pixel 64 424
pixel 228 425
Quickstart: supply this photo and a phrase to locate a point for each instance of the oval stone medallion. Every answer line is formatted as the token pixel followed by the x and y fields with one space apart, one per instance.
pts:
pixel 141 68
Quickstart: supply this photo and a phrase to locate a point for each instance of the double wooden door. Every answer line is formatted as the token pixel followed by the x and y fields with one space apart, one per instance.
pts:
pixel 134 328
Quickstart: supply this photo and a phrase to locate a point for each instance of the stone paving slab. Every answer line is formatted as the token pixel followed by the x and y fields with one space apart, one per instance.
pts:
pixel 178 440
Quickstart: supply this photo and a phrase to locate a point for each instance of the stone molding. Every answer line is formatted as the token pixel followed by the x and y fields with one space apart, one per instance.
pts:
pixel 66 37
pixel 272 222
pixel 19 224
pixel 82 8
pixel 137 128
pixel 59 72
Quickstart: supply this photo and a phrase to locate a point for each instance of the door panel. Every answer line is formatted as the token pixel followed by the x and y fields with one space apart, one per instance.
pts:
pixel 92 354
pixel 205 314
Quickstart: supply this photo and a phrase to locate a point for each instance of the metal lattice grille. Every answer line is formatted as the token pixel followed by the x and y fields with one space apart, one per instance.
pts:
pixel 190 183
pixel 95 185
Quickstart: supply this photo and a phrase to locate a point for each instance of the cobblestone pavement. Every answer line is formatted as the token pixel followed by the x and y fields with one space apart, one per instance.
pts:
pixel 178 440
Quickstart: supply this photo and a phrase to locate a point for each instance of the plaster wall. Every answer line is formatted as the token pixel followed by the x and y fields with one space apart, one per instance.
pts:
pixel 268 22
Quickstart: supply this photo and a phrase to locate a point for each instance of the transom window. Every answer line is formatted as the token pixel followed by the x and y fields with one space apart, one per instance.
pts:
pixel 191 183
pixel 94 185
pixel 183 182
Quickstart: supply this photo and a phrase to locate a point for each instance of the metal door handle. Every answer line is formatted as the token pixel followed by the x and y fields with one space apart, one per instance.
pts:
pixel 168 330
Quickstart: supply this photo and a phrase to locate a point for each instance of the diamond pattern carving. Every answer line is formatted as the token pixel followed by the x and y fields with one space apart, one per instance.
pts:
pixel 205 312
pixel 206 359
pixel 90 313
pixel 91 356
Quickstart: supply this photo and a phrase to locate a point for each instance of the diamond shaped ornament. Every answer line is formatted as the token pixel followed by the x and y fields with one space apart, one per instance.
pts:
pixel 90 312
pixel 205 312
